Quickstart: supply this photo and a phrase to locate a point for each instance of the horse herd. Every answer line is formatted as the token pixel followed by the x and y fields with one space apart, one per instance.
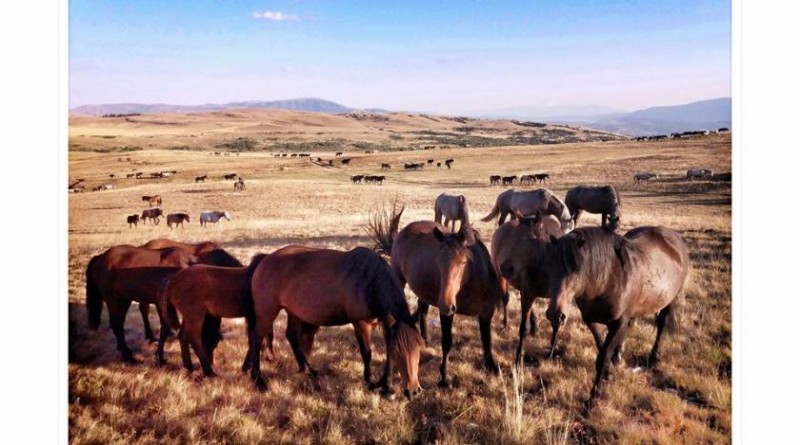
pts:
pixel 612 279
pixel 524 179
pixel 154 214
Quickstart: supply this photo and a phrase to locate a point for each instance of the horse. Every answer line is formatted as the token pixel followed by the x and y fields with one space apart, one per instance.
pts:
pixel 152 200
pixel 699 173
pixel 494 180
pixel 228 176
pixel 386 167
pixel 526 179
pixel 518 252
pixel 508 180
pixel 541 177
pixel 529 202
pixel 357 179
pixel 614 279
pixel 153 214
pixel 449 163
pixel 133 220
pixel 193 249
pixel 603 199
pixel 359 288
pixel 452 207
pixel 177 218
pixel 644 176
pixel 123 274
pixel 200 178
pixel 238 186
pixel 452 271
pixel 203 295
pixel 213 216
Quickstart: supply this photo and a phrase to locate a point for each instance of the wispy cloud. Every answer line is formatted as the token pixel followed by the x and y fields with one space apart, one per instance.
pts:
pixel 275 16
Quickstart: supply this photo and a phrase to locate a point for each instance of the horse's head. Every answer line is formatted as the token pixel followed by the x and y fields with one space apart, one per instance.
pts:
pixel 186 217
pixel 451 260
pixel 613 221
pixel 404 350
pixel 226 215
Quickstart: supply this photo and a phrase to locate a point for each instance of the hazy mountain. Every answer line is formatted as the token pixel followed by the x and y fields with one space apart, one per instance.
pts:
pixel 301 104
pixel 585 113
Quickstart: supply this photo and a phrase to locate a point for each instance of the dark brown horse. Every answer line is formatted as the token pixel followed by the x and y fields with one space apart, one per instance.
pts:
pixel 518 251
pixel 323 287
pixel 614 279
pixel 133 220
pixel 452 271
pixel 177 219
pixel 154 215
pixel 603 199
pixel 123 274
pixel 202 295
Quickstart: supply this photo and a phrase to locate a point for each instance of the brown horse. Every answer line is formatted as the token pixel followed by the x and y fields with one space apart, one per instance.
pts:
pixel 176 219
pixel 518 251
pixel 614 279
pixel 154 215
pixel 452 271
pixel 133 220
pixel 323 287
pixel 529 202
pixel 123 274
pixel 194 249
pixel 604 200
pixel 203 295
pixel 153 201
pixel 452 208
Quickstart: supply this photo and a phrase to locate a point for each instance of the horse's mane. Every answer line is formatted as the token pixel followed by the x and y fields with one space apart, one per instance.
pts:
pixel 220 257
pixel 601 256
pixel 480 258
pixel 371 277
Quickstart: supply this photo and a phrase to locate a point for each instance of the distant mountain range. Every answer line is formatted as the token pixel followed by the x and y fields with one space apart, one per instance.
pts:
pixel 703 115
pixel 302 104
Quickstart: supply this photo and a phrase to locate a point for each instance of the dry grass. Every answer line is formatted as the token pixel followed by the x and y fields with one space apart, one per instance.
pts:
pixel 293 201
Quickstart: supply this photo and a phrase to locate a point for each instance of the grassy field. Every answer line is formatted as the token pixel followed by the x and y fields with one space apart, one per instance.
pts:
pixel 297 201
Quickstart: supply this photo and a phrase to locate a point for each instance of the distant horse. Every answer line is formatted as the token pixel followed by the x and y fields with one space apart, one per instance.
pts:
pixel 699 173
pixel 541 177
pixel 644 176
pixel 133 220
pixel 452 208
pixel 438 165
pixel 526 203
pixel 338 153
pixel 494 180
pixel 518 251
pixel 123 274
pixel 152 200
pixel 153 214
pixel 604 200
pixel 203 295
pixel 200 178
pixel 614 279
pixel 357 179
pixel 213 216
pixel 386 167
pixel 452 271
pixel 238 186
pixel 508 180
pixel 526 179
pixel 449 163
pixel 228 176
pixel 359 288
pixel 346 161
pixel 177 218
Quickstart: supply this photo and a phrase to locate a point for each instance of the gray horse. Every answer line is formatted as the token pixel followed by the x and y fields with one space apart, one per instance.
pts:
pixel 452 207
pixel 603 199
pixel 527 203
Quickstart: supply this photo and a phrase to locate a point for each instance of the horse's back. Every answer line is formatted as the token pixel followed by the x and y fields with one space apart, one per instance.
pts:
pixel 663 264
pixel 219 290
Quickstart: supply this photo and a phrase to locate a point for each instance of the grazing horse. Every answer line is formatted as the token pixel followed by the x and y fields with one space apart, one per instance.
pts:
pixel 386 167
pixel 133 220
pixel 614 279
pixel 452 271
pixel 359 288
pixel 518 251
pixel 153 214
pixel 123 274
pixel 152 200
pixel 177 218
pixel 527 203
pixel 604 200
pixel 213 216
pixel 238 186
pixel 494 180
pixel 228 176
pixel 509 180
pixel 644 176
pixel 699 173
pixel 452 207
pixel 449 163
pixel 200 178
pixel 202 295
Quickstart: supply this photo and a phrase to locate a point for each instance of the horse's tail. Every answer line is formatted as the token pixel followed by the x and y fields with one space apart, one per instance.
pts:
pixel 618 197
pixel 247 291
pixel 673 320
pixel 168 312
pixel 495 211
pixel 383 227
pixel 464 210
pixel 94 300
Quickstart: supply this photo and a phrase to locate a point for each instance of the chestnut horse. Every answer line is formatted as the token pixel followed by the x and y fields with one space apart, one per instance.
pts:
pixel 324 287
pixel 614 279
pixel 518 251
pixel 203 295
pixel 452 271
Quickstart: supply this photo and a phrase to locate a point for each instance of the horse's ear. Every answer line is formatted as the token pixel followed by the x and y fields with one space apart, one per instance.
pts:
pixel 390 320
pixel 438 234
pixel 466 236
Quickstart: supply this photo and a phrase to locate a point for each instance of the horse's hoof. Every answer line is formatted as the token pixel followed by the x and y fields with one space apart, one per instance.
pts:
pixel 445 384
pixel 160 362
pixel 388 395
pixel 260 384
pixel 131 360
pixel 492 368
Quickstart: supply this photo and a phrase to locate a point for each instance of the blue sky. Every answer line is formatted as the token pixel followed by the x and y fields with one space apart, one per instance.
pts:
pixel 443 56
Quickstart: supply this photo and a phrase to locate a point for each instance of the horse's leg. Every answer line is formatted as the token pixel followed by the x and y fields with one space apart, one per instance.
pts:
pixel 422 314
pixel 185 355
pixel 502 219
pixel 575 216
pixel 294 330
pixel 661 321
pixel 594 328
pixel 485 325
pixel 307 334
pixel 255 336
pixel 447 343
pixel 193 333
pixel 162 338
pixel 616 333
pixel 144 308
pixel 117 311
pixel 385 383
pixel 603 218
pixel 527 305
pixel 363 331
pixel 617 356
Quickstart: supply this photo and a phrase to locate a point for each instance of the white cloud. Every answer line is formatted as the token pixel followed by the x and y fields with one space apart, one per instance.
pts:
pixel 274 16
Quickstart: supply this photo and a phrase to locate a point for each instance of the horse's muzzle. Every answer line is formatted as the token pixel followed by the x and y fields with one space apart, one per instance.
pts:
pixel 410 394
